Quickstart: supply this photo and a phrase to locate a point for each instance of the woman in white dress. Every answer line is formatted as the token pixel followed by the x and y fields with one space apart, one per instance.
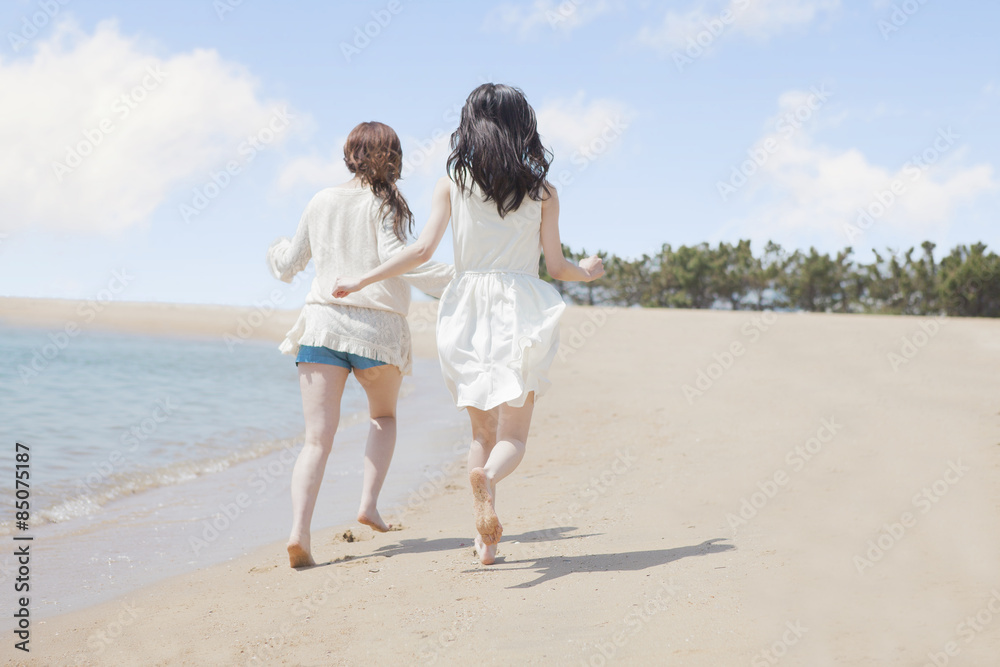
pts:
pixel 498 322
pixel 351 227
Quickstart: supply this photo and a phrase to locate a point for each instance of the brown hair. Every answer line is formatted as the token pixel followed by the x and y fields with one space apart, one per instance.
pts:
pixel 373 153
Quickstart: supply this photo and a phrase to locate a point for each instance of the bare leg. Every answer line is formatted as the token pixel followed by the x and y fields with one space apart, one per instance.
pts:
pixel 512 434
pixel 322 387
pixel 504 457
pixel 484 435
pixel 484 438
pixel 381 383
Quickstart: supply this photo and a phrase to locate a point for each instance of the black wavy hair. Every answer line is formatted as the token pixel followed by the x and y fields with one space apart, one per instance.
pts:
pixel 498 147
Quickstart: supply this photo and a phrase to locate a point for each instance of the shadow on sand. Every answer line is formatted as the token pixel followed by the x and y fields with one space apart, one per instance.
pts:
pixel 422 545
pixel 553 567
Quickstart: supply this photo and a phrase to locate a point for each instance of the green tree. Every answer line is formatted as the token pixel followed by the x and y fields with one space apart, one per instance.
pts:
pixel 663 286
pixel 970 282
pixel 733 268
pixel 965 282
pixel 814 281
pixel 630 281
pixel 691 270
pixel 768 278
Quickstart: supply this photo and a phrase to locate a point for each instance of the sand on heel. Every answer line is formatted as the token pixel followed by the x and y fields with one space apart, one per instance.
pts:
pixel 299 557
pixel 487 521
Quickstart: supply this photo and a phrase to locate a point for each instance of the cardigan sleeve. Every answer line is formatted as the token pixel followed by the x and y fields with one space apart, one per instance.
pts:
pixel 286 257
pixel 430 278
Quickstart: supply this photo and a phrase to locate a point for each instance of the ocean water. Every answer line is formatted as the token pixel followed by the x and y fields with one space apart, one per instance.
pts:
pixel 113 414
pixel 151 456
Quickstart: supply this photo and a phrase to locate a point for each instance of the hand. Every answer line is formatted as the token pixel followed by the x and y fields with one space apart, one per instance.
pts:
pixel 594 266
pixel 344 286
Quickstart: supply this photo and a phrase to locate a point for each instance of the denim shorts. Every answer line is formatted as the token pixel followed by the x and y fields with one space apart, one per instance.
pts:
pixel 324 355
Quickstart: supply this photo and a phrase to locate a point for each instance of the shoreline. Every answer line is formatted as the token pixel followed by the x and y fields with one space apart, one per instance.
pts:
pixel 646 525
pixel 141 538
pixel 149 318
pixel 145 518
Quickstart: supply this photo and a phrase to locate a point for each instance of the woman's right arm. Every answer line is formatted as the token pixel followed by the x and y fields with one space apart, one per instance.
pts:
pixel 286 257
pixel 430 278
pixel 412 255
pixel 556 263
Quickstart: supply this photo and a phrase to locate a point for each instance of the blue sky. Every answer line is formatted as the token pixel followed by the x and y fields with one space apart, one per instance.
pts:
pixel 671 122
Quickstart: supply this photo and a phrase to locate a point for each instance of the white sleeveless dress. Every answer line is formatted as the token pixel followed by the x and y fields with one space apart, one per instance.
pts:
pixel 498 322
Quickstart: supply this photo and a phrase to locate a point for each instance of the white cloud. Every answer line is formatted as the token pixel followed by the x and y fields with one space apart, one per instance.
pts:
pixel 546 15
pixel 705 23
pixel 126 124
pixel 807 190
pixel 315 171
pixel 572 126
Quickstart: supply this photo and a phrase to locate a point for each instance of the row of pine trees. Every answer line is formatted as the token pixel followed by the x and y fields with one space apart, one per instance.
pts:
pixel 965 282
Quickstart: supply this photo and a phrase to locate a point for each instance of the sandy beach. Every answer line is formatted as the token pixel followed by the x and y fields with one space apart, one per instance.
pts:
pixel 700 488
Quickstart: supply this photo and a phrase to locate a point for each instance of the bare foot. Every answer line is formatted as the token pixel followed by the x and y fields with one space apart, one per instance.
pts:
pixel 487 521
pixel 298 556
pixel 487 552
pixel 373 519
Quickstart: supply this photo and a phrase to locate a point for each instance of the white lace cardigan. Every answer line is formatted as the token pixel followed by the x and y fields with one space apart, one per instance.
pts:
pixel 341 230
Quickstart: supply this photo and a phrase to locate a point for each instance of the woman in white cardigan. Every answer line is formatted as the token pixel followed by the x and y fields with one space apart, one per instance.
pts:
pixel 348 230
